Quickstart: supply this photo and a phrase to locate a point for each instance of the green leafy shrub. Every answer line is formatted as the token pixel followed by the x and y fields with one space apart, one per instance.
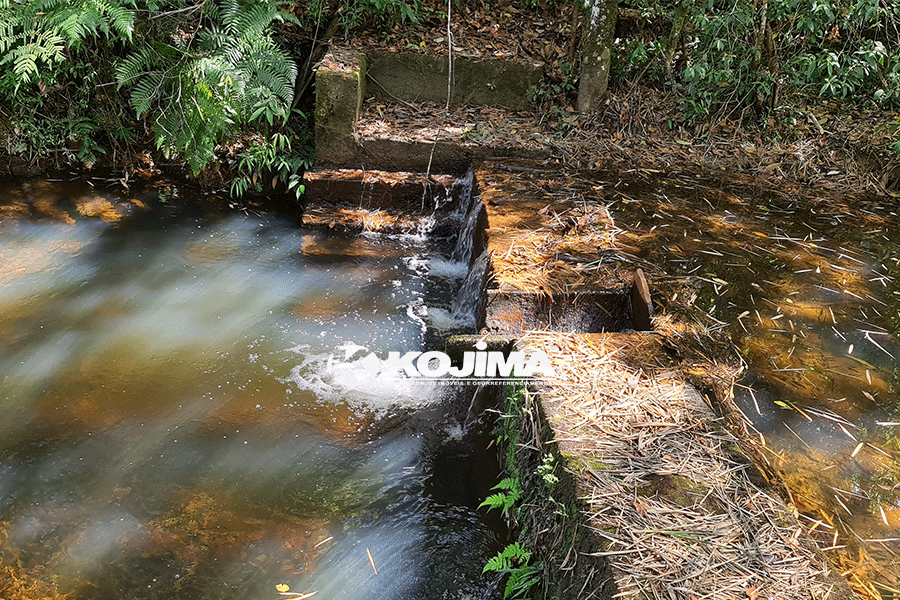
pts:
pixel 728 55
pixel 271 161
pixel 513 560
pixel 355 13
pixel 35 36
pixel 197 88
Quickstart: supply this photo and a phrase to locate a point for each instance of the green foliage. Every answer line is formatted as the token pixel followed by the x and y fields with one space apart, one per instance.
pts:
pixel 513 560
pixel 546 469
pixel 553 88
pixel 197 87
pixel 371 13
pixel 505 499
pixel 66 126
pixel 514 554
pixel 272 161
pixel 35 36
pixel 735 54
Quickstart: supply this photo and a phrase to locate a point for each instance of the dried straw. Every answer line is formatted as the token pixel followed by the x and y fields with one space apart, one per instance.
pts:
pixel 574 251
pixel 678 509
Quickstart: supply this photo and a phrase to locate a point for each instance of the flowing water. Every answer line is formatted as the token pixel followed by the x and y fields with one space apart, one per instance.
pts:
pixel 809 290
pixel 174 422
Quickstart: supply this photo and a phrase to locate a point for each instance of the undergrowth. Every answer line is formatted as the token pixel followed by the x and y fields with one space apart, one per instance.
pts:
pixel 514 561
pixel 745 60
pixel 195 80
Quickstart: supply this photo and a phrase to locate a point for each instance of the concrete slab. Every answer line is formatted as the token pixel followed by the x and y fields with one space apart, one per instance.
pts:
pixel 424 78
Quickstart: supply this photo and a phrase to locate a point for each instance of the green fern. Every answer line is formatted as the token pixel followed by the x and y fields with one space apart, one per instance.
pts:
pixel 195 96
pixel 35 35
pixel 513 560
pixel 505 499
pixel 513 555
pixel 521 580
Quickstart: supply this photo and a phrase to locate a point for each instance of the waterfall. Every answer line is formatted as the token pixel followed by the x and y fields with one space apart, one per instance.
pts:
pixel 472 239
pixel 471 300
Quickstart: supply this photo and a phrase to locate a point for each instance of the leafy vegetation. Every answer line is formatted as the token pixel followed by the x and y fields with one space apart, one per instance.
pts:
pixel 506 498
pixel 203 79
pixel 349 14
pixel 726 57
pixel 201 85
pixel 200 80
pixel 36 36
pixel 514 560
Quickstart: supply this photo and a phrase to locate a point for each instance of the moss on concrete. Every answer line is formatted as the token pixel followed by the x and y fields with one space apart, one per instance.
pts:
pixel 340 87
pixel 420 78
pixel 550 517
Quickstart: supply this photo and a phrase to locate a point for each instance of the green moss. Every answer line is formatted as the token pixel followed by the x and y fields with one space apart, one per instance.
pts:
pixel 549 517
pixel 673 488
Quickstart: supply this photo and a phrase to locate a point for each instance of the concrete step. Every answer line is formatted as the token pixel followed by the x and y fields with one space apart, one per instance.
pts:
pixel 366 117
pixel 354 201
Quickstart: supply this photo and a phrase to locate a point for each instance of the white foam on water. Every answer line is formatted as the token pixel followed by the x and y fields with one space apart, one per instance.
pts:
pixel 418 312
pixel 417 264
pixel 443 320
pixel 455 433
pixel 444 267
pixel 363 382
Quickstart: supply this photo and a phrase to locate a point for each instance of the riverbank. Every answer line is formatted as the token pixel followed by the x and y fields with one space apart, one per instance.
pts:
pixel 813 140
pixel 667 488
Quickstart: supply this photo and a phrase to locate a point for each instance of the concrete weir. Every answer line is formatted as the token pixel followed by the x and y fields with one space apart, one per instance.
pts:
pixel 346 81
pixel 621 460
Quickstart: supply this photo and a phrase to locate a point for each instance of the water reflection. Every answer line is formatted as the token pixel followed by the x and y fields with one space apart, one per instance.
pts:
pixel 807 287
pixel 169 425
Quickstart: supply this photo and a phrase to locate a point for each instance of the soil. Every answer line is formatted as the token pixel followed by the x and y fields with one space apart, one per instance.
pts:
pixel 812 141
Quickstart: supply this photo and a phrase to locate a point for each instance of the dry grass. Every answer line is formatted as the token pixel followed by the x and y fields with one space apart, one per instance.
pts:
pixel 679 510
pixel 561 256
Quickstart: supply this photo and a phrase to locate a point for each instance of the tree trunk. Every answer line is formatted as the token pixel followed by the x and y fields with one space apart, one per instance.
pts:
pixel 596 52
pixel 674 42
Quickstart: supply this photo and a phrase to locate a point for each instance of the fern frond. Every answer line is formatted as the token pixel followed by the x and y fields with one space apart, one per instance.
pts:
pixel 145 93
pixel 274 69
pixel 253 23
pixel 121 20
pixel 35 34
pixel 497 563
pixel 511 557
pixel 46 47
pixel 494 501
pixel 521 580
pixel 212 39
pixel 239 75
pixel 227 13
pixel 507 483
pixel 135 64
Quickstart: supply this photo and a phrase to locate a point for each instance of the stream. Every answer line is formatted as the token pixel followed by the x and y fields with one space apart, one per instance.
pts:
pixel 172 424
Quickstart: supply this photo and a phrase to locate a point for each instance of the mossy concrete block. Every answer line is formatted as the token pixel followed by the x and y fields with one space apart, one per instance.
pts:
pixel 340 87
pixel 419 78
pixel 458 345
